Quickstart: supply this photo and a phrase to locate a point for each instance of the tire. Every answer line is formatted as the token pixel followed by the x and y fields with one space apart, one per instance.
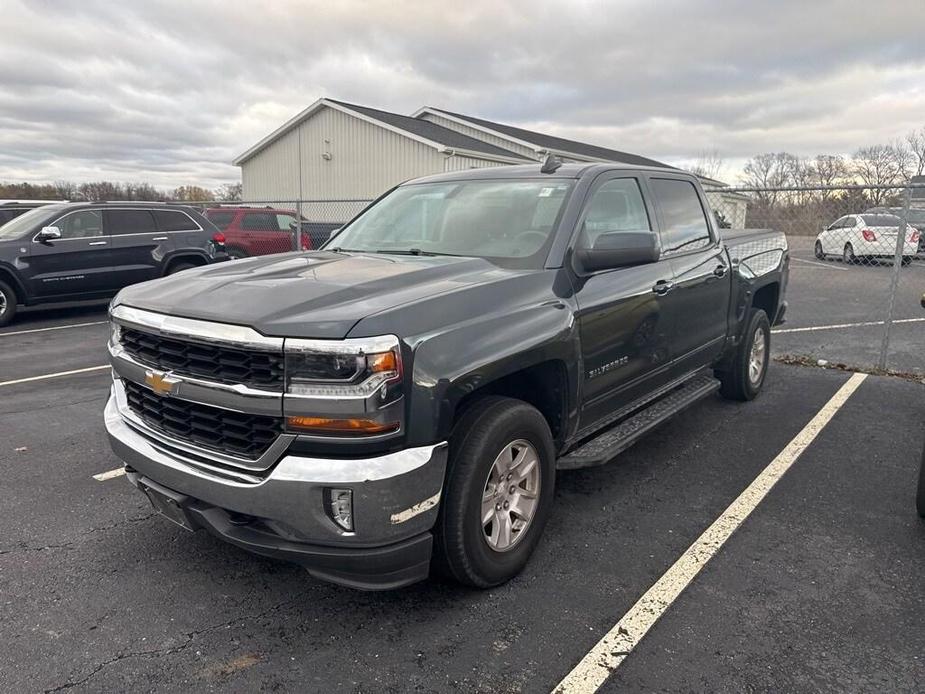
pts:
pixel 7 304
pixel 848 257
pixel 907 260
pixel 740 381
pixel 817 251
pixel 463 543
pixel 920 495
pixel 237 253
pixel 180 267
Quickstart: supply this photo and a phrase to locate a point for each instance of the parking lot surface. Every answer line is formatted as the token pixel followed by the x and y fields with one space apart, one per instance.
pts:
pixel 820 588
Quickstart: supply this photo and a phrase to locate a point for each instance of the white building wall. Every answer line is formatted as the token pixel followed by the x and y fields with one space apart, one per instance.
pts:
pixel 343 158
pixel 480 135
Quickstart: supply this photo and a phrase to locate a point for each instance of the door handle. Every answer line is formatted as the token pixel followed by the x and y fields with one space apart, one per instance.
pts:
pixel 97 243
pixel 662 287
pixel 720 271
pixel 159 238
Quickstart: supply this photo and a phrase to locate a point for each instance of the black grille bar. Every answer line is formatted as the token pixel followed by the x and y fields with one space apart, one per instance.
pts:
pixel 216 363
pixel 233 433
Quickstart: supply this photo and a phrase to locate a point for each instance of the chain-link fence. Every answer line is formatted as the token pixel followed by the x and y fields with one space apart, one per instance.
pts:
pixel 262 227
pixel 857 271
pixel 850 301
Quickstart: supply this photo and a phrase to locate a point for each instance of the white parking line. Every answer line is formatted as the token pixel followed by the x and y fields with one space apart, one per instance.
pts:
pixel 55 375
pixel 840 326
pixel 618 643
pixel 54 327
pixel 827 266
pixel 109 474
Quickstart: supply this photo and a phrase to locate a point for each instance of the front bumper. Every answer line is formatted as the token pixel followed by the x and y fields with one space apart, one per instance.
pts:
pixel 281 513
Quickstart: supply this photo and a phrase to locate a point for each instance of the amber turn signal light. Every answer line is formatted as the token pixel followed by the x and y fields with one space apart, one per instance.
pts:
pixel 339 427
pixel 384 361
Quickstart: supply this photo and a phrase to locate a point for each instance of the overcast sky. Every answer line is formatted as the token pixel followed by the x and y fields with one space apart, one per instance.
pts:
pixel 171 92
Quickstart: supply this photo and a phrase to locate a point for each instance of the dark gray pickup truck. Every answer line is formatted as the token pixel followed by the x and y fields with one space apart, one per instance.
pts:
pixel 400 400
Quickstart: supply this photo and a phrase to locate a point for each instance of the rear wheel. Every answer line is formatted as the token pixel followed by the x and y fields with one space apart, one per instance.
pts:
pixel 498 494
pixel 7 303
pixel 848 255
pixel 907 260
pixel 818 252
pixel 180 267
pixel 745 377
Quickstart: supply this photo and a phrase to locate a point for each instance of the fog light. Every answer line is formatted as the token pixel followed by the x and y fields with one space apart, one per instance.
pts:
pixel 340 507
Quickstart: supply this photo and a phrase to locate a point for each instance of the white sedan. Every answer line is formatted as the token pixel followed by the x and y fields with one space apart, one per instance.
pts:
pixel 865 236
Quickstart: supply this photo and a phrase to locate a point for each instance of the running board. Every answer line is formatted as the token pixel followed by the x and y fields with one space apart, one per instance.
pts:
pixel 613 441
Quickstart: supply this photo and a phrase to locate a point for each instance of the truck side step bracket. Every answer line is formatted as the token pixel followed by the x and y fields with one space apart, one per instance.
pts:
pixel 607 445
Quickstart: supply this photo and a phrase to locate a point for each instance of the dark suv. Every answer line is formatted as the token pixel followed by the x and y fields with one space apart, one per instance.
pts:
pixel 68 251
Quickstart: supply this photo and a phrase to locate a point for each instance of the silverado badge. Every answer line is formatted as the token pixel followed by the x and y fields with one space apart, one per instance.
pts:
pixel 161 383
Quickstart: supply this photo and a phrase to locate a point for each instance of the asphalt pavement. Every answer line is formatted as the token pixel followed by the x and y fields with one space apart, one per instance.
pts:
pixel 821 588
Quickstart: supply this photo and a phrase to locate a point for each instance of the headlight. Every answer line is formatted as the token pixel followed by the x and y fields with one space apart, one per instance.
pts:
pixel 343 388
pixel 115 333
pixel 355 367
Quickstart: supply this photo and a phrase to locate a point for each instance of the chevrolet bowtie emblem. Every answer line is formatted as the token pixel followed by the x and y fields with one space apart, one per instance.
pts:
pixel 161 383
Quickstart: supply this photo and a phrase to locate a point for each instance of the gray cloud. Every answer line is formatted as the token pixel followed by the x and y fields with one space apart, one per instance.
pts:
pixel 170 92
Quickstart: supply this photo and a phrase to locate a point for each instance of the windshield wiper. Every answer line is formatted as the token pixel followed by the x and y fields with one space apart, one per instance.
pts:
pixel 410 251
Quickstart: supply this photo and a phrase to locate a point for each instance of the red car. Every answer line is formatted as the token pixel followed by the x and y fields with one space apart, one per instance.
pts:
pixel 257 230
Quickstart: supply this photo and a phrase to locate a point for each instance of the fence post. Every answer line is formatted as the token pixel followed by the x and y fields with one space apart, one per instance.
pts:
pixel 894 283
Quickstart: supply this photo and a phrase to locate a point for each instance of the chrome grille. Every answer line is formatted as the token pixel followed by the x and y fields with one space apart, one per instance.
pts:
pixel 214 428
pixel 213 362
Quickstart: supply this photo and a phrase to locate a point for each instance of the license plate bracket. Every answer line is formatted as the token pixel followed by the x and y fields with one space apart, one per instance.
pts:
pixel 168 503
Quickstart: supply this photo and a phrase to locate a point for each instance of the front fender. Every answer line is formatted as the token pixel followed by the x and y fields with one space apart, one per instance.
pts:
pixel 451 364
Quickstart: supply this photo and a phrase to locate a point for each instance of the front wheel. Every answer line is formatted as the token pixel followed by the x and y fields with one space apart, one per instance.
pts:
pixel 745 377
pixel 817 251
pixel 498 494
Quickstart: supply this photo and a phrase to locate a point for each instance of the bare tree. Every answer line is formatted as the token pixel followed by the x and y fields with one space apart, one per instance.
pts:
pixel 915 141
pixel 707 164
pixel 230 192
pixel 881 165
pixel 770 170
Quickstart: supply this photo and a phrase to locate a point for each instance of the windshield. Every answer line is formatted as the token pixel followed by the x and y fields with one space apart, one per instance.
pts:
pixel 23 223
pixel 502 220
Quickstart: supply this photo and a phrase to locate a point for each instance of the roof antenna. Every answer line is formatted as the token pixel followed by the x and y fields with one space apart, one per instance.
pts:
pixel 551 163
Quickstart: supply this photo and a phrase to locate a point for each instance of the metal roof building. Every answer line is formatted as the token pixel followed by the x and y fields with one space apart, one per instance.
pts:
pixel 337 151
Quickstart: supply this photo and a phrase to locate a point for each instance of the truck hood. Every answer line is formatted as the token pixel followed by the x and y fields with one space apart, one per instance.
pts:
pixel 320 295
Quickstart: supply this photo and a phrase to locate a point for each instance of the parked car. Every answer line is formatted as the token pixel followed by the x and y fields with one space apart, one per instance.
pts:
pixel 69 251
pixel 253 231
pixel 11 209
pixel 867 237
pixel 915 216
pixel 406 393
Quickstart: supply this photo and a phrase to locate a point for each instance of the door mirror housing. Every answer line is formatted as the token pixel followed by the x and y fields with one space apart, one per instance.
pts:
pixel 48 234
pixel 615 249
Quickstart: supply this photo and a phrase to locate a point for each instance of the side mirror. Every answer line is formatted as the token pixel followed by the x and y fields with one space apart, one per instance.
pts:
pixel 614 249
pixel 48 234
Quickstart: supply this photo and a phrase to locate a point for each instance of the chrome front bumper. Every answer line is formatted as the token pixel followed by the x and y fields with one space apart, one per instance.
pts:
pixel 395 496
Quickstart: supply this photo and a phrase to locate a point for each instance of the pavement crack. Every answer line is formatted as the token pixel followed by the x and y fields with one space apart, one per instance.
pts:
pixel 91 531
pixel 187 640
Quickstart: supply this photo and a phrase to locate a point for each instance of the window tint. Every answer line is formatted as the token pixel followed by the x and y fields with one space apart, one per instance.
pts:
pixel 220 219
pixel 129 222
pixel 283 221
pixel 172 220
pixel 848 222
pixel 880 220
pixel 685 224
pixel 85 224
pixel 616 206
pixel 259 221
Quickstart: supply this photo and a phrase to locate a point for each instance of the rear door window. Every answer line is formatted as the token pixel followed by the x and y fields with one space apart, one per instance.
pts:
pixel 120 222
pixel 220 219
pixel 284 222
pixel 684 222
pixel 174 220
pixel 260 221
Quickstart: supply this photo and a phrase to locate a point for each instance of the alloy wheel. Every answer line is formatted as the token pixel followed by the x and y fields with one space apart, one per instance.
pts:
pixel 511 495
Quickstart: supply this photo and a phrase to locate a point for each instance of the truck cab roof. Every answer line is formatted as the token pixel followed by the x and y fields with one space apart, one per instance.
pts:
pixel 572 171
